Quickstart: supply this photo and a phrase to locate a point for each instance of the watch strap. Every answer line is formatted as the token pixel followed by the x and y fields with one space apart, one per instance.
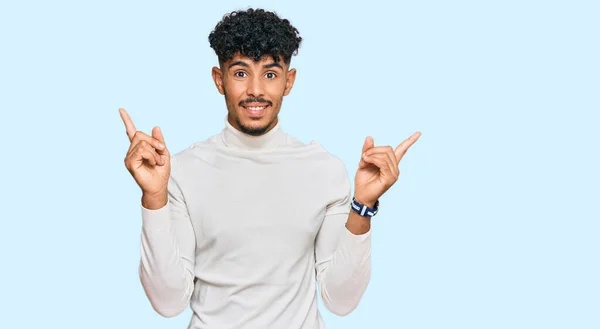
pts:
pixel 363 210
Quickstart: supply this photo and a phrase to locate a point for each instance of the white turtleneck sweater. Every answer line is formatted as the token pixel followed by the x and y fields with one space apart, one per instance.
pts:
pixel 251 226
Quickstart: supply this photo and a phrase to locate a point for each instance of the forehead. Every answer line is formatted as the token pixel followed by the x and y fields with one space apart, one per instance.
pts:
pixel 249 61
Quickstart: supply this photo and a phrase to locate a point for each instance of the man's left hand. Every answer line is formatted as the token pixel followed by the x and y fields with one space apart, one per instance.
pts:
pixel 378 169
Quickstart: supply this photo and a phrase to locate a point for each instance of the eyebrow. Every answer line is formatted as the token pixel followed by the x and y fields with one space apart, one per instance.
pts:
pixel 275 64
pixel 244 64
pixel 240 63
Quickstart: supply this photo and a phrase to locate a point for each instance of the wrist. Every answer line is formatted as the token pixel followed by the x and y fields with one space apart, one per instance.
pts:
pixel 155 201
pixel 365 209
pixel 358 224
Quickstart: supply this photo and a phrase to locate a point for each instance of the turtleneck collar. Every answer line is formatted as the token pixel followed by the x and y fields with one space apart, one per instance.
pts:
pixel 237 139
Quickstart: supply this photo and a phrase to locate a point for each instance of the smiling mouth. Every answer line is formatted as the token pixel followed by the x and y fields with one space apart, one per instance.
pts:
pixel 255 108
pixel 255 111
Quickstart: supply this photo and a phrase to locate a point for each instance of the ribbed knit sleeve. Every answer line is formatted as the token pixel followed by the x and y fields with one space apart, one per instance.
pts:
pixel 343 259
pixel 167 252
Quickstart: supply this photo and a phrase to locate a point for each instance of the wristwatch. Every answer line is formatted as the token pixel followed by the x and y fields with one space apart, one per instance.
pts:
pixel 363 210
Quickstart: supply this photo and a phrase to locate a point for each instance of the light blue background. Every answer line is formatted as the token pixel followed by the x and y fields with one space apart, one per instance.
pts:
pixel 494 222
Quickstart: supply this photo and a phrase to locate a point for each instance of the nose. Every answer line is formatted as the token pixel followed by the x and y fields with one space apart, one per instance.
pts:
pixel 255 87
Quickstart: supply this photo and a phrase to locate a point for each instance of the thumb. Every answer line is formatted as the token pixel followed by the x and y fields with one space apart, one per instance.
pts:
pixel 369 143
pixel 157 133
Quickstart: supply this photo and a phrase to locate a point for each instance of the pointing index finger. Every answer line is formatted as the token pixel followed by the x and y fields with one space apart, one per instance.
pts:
pixel 129 126
pixel 403 147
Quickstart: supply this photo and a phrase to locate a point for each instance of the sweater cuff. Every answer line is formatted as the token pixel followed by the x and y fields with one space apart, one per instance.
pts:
pixel 156 219
pixel 356 243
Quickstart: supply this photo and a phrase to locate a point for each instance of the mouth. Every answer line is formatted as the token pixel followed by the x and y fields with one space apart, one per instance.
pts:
pixel 255 111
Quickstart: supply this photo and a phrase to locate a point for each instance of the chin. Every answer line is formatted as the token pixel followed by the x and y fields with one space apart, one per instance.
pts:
pixel 254 130
pixel 255 125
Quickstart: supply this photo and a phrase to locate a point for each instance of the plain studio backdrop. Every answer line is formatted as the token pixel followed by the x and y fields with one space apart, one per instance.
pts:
pixel 494 222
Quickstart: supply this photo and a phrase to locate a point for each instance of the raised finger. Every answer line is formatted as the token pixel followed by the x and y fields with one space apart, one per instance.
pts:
pixel 129 126
pixel 403 147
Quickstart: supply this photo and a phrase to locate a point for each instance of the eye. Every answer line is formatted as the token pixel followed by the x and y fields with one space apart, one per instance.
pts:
pixel 270 75
pixel 240 74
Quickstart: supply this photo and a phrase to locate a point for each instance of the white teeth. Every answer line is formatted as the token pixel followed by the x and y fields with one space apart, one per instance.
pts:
pixel 256 108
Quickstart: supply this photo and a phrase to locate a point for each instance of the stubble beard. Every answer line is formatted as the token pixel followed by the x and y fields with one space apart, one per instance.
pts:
pixel 246 129
pixel 253 131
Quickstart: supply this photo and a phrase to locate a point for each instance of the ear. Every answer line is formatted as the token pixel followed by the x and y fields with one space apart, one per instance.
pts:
pixel 217 76
pixel 289 83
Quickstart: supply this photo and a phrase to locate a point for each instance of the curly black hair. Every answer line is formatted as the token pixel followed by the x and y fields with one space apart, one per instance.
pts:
pixel 254 33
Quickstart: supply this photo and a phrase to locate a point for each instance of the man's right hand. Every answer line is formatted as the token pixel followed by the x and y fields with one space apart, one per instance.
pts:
pixel 149 162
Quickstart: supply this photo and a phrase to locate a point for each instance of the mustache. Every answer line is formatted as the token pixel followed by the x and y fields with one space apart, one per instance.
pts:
pixel 255 100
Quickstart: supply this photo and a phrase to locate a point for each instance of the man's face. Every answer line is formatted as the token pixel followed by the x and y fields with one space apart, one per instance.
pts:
pixel 253 91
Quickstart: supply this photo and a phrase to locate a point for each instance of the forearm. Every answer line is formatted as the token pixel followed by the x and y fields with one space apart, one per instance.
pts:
pixel 358 224
pixel 347 275
pixel 166 276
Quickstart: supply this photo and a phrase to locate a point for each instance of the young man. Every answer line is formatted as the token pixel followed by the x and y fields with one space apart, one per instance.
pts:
pixel 242 226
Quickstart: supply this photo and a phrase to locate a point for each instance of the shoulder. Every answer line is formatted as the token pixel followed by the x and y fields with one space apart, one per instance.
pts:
pixel 202 151
pixel 331 165
pixel 193 149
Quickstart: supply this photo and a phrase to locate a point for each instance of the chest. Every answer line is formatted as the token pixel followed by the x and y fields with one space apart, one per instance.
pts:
pixel 252 208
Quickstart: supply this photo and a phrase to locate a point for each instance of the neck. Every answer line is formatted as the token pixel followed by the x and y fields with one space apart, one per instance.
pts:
pixel 235 138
